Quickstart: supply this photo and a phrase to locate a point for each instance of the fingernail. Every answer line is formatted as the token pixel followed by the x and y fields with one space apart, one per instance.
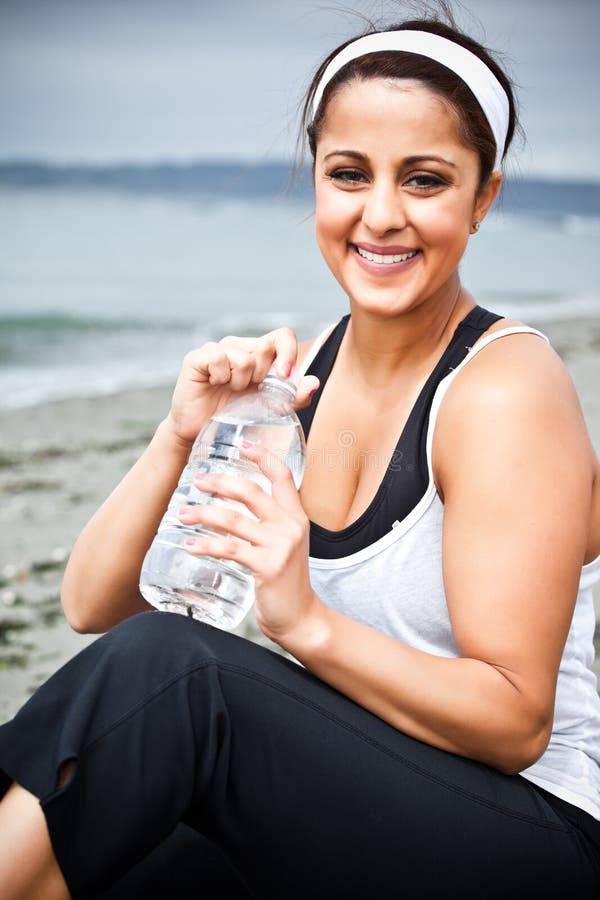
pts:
pixel 286 370
pixel 201 475
pixel 189 542
pixel 183 511
pixel 247 445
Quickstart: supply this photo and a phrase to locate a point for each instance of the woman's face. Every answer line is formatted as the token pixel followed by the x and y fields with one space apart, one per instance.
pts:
pixel 396 194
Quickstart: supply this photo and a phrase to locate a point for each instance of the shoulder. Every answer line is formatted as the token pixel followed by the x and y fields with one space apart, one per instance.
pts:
pixel 515 383
pixel 511 367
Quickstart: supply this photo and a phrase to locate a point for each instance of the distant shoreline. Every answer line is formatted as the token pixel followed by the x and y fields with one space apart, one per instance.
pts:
pixel 255 180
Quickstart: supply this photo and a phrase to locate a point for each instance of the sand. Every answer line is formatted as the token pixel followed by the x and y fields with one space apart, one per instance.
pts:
pixel 59 461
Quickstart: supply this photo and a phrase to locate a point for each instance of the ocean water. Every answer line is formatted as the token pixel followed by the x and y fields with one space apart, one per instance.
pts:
pixel 104 290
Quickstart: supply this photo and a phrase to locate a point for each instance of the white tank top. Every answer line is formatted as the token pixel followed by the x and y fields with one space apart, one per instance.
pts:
pixel 396 585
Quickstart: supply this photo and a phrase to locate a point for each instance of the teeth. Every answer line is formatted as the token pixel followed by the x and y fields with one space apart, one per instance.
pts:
pixel 388 258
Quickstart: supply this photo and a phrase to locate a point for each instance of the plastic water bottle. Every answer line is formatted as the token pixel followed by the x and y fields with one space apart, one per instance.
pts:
pixel 221 591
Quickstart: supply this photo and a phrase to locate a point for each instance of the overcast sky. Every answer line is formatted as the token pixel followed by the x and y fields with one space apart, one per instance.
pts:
pixel 115 80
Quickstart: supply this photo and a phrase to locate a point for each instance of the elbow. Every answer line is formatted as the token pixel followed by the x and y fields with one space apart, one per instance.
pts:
pixel 88 612
pixel 68 601
pixel 80 626
pixel 76 615
pixel 73 615
pixel 519 729
pixel 519 752
pixel 80 622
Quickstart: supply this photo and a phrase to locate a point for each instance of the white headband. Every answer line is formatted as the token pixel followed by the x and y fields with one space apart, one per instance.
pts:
pixel 473 71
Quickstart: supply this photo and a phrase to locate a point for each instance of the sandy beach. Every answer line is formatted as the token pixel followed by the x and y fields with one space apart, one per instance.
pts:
pixel 59 461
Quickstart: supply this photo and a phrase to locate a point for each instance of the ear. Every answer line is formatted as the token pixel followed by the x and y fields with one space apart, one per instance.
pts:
pixel 486 196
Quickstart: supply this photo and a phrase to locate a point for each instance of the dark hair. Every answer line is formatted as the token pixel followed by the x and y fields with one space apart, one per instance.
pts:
pixel 474 129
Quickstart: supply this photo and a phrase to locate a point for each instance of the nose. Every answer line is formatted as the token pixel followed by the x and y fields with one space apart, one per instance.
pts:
pixel 383 209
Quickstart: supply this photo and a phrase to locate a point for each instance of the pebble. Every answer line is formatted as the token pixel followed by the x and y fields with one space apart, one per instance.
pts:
pixel 7 597
pixel 11 572
pixel 59 554
pixel 17 619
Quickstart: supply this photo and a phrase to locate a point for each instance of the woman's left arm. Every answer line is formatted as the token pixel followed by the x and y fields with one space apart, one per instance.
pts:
pixel 515 466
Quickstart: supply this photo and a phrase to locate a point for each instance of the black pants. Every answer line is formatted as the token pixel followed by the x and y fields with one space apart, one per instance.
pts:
pixel 295 791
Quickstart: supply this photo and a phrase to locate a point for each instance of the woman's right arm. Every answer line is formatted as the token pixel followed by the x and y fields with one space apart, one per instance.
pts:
pixel 101 583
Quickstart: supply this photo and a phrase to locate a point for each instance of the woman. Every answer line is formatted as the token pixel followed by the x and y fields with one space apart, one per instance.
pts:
pixel 443 731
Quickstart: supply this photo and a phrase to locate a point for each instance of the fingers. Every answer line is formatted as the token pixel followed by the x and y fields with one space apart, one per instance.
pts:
pixel 286 350
pixel 229 363
pixel 241 362
pixel 221 547
pixel 212 374
pixel 283 488
pixel 205 363
pixel 221 519
pixel 258 502
pixel 250 358
pixel 241 490
pixel 307 388
pixel 275 520
pixel 279 346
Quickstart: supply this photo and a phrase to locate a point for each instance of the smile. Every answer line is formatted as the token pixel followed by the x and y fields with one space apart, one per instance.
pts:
pixel 386 259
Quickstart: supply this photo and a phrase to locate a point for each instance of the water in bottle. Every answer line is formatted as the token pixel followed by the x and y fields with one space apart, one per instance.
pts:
pixel 221 591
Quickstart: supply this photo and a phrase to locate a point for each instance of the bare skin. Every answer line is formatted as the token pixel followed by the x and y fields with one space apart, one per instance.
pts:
pixel 28 867
pixel 496 417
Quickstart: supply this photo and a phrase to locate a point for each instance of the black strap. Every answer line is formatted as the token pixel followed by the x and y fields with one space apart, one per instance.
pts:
pixel 406 478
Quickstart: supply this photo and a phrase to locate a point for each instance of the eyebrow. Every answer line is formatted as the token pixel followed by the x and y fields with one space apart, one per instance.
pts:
pixel 409 160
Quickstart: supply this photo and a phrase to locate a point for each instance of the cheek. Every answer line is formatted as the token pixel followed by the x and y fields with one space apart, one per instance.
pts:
pixel 334 216
pixel 442 224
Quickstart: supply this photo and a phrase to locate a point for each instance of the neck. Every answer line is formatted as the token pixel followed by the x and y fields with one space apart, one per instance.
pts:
pixel 379 349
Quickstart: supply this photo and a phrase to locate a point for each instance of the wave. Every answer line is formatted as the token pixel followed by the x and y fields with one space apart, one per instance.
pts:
pixel 32 340
pixel 59 321
pixel 53 356
pixel 46 357
pixel 51 324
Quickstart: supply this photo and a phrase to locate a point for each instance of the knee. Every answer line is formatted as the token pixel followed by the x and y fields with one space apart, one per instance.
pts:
pixel 161 635
pixel 163 644
pixel 154 629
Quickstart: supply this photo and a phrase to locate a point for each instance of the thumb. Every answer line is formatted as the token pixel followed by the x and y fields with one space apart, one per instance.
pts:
pixel 305 391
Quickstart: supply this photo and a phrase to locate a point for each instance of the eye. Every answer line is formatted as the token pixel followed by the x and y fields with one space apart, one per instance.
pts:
pixel 425 182
pixel 347 176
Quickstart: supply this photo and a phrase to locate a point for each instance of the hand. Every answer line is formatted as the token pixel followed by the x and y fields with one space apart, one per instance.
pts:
pixel 212 374
pixel 274 545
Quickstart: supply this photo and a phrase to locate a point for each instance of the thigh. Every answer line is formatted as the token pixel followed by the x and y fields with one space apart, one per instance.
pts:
pixel 325 799
pixel 306 793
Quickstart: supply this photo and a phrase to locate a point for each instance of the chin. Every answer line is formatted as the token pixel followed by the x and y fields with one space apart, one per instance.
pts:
pixel 383 303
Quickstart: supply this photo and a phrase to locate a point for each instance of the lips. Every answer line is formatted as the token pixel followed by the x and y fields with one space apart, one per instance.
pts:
pixel 384 260
pixel 384 249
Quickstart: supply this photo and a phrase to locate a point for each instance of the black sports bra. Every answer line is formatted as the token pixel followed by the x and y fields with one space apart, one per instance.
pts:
pixel 406 478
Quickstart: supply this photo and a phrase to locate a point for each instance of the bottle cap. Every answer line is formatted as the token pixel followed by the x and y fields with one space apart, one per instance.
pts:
pixel 287 384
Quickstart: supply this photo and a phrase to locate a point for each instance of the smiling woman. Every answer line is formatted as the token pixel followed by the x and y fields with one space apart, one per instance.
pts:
pixel 442 733
pixel 382 187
